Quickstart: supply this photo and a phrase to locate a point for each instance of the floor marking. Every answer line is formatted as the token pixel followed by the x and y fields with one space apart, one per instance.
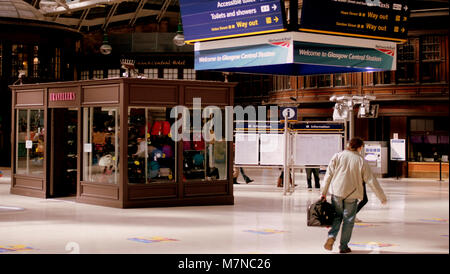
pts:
pixel 434 220
pixel 371 244
pixel 10 208
pixel 156 239
pixel 265 231
pixel 12 248
pixel 364 225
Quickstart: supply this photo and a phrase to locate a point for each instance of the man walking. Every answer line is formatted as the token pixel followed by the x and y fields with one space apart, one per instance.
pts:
pixel 345 175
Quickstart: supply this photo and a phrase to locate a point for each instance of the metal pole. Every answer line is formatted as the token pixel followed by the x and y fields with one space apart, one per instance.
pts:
pixel 293 15
pixel 351 121
pixel 285 168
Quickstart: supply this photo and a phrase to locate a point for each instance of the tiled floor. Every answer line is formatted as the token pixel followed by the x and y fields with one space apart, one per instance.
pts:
pixel 415 220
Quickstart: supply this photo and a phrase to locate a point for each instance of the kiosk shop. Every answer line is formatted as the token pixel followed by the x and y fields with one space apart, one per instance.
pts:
pixel 108 142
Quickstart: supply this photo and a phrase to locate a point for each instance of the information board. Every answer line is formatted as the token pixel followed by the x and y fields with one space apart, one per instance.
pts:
pixel 271 149
pixel 205 19
pixel 246 149
pixel 363 18
pixel 398 150
pixel 316 149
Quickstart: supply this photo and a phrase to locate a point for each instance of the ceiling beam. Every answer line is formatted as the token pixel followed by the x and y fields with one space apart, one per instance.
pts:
pixel 110 15
pixel 163 10
pixel 101 20
pixel 138 10
pixel 83 17
pixel 48 8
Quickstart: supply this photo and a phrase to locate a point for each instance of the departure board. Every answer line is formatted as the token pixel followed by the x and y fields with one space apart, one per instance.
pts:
pixel 385 19
pixel 207 20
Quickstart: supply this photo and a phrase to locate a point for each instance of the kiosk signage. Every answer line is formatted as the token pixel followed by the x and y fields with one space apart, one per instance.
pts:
pixel 62 96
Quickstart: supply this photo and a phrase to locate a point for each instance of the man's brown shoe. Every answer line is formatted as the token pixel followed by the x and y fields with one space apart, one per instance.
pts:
pixel 347 250
pixel 329 243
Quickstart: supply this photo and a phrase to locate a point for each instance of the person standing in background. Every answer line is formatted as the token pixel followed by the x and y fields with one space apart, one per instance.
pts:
pixel 309 172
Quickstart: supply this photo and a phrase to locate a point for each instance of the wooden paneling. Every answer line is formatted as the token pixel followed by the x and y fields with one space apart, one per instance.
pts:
pixel 100 191
pixel 212 96
pixel 398 125
pixel 29 98
pixel 200 189
pixel 104 94
pixel 153 94
pixel 427 170
pixel 37 184
pixel 142 192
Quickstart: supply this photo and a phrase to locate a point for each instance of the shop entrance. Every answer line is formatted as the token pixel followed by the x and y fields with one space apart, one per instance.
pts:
pixel 63 152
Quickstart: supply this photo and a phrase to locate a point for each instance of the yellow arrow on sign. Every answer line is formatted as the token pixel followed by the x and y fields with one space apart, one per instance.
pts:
pixel 276 19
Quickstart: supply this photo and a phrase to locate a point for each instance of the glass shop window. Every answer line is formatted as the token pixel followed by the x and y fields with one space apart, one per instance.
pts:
pixel 30 144
pixel 101 144
pixel 205 152
pixel 151 150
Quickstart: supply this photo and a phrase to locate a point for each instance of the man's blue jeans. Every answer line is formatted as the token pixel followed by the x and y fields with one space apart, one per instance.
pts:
pixel 345 214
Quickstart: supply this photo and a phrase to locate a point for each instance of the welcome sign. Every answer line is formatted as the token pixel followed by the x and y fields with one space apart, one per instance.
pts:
pixel 293 53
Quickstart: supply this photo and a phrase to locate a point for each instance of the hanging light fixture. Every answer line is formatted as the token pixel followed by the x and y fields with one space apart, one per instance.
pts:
pixel 105 48
pixel 179 38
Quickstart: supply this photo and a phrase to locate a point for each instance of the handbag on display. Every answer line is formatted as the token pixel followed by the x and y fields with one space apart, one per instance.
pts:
pixel 106 160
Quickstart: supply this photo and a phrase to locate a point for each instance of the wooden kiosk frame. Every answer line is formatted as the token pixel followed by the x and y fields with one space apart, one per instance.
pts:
pixel 121 93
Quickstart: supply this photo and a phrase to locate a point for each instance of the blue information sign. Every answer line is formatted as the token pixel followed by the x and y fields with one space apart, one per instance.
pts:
pixel 207 20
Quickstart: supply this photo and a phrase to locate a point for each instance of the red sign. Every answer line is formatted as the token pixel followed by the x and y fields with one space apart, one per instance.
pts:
pixel 62 96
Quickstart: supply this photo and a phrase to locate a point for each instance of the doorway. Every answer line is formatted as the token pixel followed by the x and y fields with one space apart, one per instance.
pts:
pixel 63 152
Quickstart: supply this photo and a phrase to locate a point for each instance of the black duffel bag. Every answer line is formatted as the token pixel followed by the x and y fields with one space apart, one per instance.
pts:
pixel 320 213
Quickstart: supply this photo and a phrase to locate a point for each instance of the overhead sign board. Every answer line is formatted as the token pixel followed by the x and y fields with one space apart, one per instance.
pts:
pixel 334 55
pixel 208 20
pixel 378 19
pixel 295 53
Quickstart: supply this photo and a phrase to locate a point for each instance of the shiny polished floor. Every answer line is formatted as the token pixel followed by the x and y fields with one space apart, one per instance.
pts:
pixel 262 221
